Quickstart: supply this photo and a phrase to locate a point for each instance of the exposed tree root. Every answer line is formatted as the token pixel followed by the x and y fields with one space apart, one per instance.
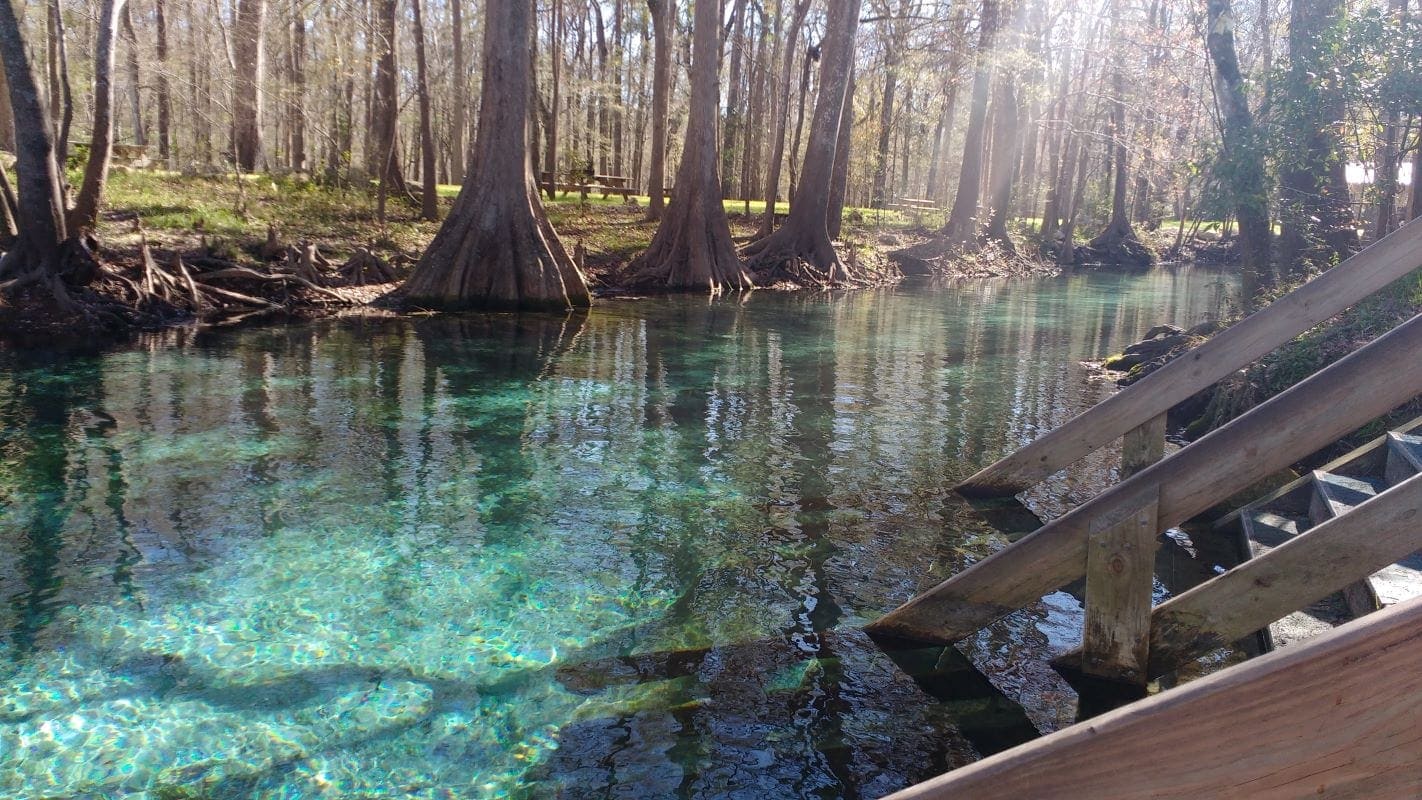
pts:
pixel 1117 246
pixel 981 256
pixel 807 260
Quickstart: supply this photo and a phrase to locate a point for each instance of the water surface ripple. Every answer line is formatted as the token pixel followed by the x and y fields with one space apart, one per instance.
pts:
pixel 621 555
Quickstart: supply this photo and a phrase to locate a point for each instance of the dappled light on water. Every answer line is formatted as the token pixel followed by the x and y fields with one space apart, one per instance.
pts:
pixel 626 553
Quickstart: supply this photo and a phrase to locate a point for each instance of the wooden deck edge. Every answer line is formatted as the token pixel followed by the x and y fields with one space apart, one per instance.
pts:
pixel 1334 717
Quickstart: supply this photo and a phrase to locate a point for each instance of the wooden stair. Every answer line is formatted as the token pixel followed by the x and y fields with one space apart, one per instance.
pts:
pixel 1333 546
pixel 1333 491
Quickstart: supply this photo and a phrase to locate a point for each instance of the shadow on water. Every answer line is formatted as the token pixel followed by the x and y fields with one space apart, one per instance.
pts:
pixel 627 553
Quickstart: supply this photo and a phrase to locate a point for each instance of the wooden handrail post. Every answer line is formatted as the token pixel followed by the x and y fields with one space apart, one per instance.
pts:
pixel 1143 446
pixel 1120 572
pixel 1308 568
pixel 1387 260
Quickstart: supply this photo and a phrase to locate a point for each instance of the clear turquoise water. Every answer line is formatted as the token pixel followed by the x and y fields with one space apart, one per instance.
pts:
pixel 625 555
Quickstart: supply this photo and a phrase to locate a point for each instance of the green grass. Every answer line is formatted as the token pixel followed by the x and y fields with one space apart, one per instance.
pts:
pixel 224 209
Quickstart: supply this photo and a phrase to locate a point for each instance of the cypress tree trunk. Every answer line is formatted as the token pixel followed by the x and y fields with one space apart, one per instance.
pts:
pixel 165 92
pixel 962 225
pixel 429 202
pixel 777 146
pixel 692 249
pixel 85 215
pixel 839 183
pixel 662 12
pixel 1243 160
pixel 384 159
pixel 801 250
pixel 1118 244
pixel 1006 148
pixel 550 160
pixel 135 78
pixel 297 104
pixel 460 114
pixel 249 55
pixel 496 249
pixel 38 252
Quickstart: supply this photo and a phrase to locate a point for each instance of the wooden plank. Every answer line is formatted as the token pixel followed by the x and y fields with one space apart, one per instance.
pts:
pixel 1367 384
pixel 1120 576
pixel 1341 464
pixel 1334 718
pixel 1261 333
pixel 1142 446
pixel 1316 563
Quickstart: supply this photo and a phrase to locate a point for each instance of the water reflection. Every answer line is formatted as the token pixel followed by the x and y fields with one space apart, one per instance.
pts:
pixel 625 553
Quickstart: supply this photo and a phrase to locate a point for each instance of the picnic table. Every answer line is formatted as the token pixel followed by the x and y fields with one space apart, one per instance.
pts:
pixel 606 184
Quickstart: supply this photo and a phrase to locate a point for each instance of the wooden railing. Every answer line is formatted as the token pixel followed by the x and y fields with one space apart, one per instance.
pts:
pixel 1140 406
pixel 1111 539
pixel 1333 717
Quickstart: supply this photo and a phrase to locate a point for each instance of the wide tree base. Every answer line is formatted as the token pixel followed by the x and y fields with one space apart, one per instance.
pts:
pixel 943 255
pixel 1117 246
pixel 495 253
pixel 691 252
pixel 803 258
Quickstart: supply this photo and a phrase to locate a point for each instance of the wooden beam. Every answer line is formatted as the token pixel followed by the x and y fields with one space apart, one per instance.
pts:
pixel 1358 455
pixel 1307 568
pixel 1335 717
pixel 1120 574
pixel 1367 272
pixel 1142 446
pixel 1290 426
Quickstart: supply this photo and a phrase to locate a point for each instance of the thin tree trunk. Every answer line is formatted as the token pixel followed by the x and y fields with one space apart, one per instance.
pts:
pixel 297 102
pixel 135 78
pixel 550 165
pixel 777 147
pixel 40 217
pixel 165 92
pixel 812 54
pixel 662 11
pixel 249 55
pixel 963 220
pixel 1389 156
pixel 429 202
pixel 732 127
pixel 496 248
pixel 459 116
pixel 85 215
pixel 65 104
pixel 1242 153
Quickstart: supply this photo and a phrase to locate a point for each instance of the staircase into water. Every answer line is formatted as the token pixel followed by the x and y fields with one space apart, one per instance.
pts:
pixel 1320 557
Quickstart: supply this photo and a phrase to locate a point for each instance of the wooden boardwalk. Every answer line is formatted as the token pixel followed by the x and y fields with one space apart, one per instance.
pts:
pixel 1335 716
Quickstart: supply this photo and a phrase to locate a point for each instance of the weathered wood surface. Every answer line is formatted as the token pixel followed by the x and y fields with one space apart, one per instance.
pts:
pixel 1142 446
pixel 1308 568
pixel 1334 718
pixel 1368 383
pixel 1120 573
pixel 1330 293
pixel 1371 450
